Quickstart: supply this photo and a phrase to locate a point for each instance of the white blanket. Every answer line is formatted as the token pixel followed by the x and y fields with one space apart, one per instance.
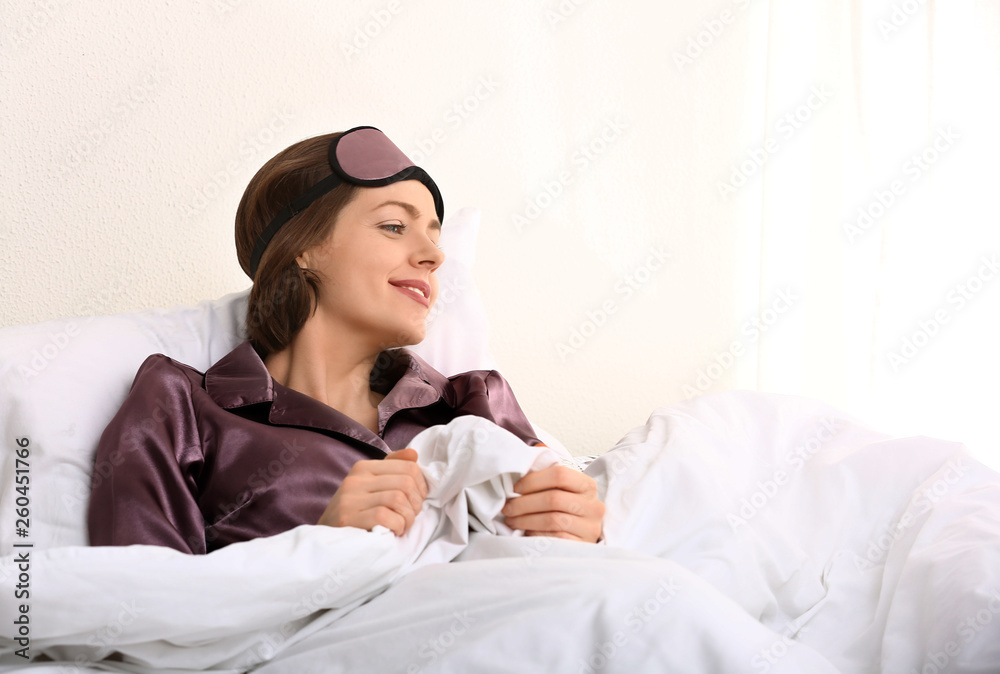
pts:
pixel 744 532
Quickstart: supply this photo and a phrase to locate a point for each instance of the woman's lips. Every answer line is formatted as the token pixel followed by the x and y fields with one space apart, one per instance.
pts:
pixel 419 297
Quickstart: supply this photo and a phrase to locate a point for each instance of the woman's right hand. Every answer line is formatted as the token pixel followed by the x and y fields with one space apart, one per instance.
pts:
pixel 389 492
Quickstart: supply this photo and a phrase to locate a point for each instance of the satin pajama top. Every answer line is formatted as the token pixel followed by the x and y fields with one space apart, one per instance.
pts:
pixel 196 461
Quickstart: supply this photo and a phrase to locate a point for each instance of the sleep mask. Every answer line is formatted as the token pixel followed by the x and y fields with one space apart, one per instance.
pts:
pixel 361 156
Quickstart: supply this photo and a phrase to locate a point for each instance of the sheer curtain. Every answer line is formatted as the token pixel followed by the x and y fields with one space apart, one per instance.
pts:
pixel 869 202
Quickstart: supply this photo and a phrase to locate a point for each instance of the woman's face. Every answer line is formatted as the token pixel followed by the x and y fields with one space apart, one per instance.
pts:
pixel 384 239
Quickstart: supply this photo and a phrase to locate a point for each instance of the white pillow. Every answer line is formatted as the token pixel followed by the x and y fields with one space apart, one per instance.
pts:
pixel 62 381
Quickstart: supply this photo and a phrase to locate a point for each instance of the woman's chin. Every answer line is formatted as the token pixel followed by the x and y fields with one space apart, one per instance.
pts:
pixel 410 337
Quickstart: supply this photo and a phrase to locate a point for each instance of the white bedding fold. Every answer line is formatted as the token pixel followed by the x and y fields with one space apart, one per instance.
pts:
pixel 872 550
pixel 546 605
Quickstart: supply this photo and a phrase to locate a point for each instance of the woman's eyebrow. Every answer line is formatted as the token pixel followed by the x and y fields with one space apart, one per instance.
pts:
pixel 409 208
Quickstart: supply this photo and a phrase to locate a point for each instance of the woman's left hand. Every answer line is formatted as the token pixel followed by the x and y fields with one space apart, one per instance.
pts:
pixel 556 501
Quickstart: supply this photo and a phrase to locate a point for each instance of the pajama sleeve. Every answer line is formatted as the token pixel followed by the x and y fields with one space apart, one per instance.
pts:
pixel 144 487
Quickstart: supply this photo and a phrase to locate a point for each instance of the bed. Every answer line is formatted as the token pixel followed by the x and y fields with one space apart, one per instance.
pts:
pixel 745 532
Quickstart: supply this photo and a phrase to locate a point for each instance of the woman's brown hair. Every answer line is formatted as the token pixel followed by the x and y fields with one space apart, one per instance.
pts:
pixel 283 294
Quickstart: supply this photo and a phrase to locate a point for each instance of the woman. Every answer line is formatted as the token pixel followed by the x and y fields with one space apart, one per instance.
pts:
pixel 307 421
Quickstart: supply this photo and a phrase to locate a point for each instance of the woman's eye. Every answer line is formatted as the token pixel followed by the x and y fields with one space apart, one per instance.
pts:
pixel 394 227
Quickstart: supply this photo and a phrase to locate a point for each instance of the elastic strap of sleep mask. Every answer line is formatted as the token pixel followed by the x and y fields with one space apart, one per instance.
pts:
pixel 361 156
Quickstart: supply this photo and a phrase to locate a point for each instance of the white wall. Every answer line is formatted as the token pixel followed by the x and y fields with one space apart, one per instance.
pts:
pixel 130 130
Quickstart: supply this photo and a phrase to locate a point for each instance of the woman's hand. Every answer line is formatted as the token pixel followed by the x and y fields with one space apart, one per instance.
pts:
pixel 389 492
pixel 556 501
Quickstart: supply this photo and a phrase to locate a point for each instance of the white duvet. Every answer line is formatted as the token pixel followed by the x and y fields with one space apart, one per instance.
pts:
pixel 745 532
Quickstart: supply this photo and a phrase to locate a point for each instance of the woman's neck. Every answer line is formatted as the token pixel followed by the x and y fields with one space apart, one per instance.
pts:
pixel 333 370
